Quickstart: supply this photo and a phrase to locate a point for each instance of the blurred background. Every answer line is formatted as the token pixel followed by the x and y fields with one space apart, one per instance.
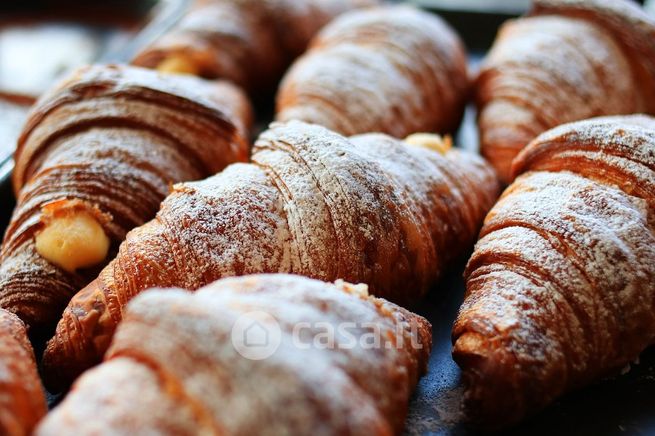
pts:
pixel 41 40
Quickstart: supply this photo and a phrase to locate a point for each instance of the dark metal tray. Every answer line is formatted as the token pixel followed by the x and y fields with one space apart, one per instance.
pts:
pixel 624 405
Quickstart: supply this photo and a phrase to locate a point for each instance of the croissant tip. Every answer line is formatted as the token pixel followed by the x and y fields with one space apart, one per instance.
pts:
pixel 485 406
pixel 69 352
pixel 59 369
pixel 50 367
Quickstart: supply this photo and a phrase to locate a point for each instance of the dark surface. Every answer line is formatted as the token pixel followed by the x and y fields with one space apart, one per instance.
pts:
pixel 623 405
pixel 6 204
pixel 477 29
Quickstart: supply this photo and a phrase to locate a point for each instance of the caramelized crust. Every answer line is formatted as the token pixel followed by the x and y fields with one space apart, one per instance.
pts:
pixel 22 403
pixel 569 60
pixel 249 42
pixel 371 209
pixel 395 70
pixel 109 141
pixel 561 285
pixel 174 352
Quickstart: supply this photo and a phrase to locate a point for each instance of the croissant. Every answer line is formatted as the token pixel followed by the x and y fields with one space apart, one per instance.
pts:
pixel 561 285
pixel 249 42
pixel 95 159
pixel 392 69
pixel 570 60
pixel 358 381
pixel 370 209
pixel 22 402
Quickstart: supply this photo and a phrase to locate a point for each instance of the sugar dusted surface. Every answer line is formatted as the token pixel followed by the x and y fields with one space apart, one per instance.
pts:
pixel 561 285
pixel 393 69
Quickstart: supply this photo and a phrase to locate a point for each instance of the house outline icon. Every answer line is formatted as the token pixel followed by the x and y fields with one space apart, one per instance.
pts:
pixel 256 335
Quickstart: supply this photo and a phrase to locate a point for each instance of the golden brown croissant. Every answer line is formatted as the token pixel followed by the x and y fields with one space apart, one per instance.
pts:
pixel 570 60
pixel 393 69
pixel 249 42
pixel 188 369
pixel 370 209
pixel 561 286
pixel 95 159
pixel 22 403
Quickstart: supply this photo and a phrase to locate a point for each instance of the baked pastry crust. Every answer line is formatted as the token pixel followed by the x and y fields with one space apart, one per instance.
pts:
pixel 567 60
pixel 393 69
pixel 22 402
pixel 561 285
pixel 370 209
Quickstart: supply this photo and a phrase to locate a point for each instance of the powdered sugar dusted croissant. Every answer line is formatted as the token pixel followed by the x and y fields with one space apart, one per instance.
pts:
pixel 249 42
pixel 371 209
pixel 561 286
pixel 391 69
pixel 22 402
pixel 95 159
pixel 178 368
pixel 569 60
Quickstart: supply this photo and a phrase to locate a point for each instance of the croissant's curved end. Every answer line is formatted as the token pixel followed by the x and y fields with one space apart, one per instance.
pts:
pixel 62 361
pixel 220 387
pixel 561 284
pixel 22 401
pixel 485 375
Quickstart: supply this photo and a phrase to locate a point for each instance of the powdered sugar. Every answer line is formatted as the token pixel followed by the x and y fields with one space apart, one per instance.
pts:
pixel 408 62
pixel 561 285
